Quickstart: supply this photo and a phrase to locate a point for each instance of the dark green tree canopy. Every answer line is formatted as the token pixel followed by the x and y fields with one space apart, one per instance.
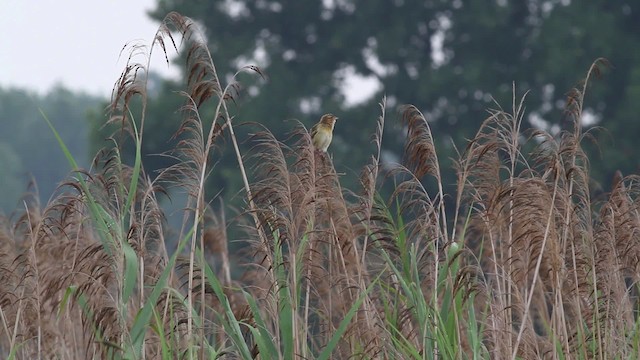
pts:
pixel 452 59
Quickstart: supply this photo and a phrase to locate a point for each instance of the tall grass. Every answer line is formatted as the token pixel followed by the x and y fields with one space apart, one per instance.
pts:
pixel 528 267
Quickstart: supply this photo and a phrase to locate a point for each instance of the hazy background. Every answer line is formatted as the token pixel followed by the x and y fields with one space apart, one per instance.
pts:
pixel 65 58
pixel 73 43
pixel 452 59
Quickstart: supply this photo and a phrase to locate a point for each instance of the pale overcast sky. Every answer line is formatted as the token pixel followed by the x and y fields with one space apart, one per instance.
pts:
pixel 77 43
pixel 73 42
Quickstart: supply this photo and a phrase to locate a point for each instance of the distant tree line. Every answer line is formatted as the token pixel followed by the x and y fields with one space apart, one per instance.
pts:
pixel 28 149
pixel 452 59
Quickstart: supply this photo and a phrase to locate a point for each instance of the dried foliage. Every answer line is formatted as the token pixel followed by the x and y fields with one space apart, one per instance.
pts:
pixel 532 268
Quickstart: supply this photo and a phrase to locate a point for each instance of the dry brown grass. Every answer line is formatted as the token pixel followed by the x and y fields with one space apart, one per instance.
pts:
pixel 528 267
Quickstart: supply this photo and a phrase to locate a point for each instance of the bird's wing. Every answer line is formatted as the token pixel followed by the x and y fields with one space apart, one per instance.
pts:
pixel 314 130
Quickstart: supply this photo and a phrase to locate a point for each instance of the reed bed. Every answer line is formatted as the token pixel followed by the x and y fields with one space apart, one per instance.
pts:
pixel 525 266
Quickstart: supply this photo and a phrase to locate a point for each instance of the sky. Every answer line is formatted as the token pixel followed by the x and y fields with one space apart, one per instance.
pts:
pixel 79 43
pixel 76 43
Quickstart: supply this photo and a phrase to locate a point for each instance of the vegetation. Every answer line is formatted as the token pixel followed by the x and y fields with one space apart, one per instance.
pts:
pixel 450 58
pixel 26 143
pixel 528 266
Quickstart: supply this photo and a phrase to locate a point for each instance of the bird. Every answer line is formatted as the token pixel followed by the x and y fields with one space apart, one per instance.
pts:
pixel 322 132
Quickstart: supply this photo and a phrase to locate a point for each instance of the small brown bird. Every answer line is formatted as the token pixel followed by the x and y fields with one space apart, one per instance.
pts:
pixel 322 132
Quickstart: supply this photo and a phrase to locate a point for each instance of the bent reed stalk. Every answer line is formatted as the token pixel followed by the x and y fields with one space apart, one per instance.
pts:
pixel 529 267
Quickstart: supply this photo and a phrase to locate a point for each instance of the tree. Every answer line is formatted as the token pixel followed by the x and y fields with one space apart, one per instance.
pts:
pixel 452 59
pixel 28 148
pixel 9 177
